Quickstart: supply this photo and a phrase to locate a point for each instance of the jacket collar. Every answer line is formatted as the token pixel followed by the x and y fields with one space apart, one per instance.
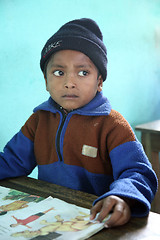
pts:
pixel 99 105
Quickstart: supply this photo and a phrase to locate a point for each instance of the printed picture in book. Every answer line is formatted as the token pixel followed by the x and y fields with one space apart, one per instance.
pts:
pixel 24 216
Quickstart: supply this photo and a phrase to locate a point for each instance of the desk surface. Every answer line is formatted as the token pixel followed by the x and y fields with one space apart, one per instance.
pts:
pixel 150 138
pixel 138 228
pixel 153 127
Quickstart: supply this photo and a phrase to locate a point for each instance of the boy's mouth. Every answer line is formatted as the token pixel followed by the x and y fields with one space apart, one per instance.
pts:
pixel 70 96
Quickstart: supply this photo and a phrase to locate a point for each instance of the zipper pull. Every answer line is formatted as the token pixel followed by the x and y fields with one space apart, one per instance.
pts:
pixel 64 111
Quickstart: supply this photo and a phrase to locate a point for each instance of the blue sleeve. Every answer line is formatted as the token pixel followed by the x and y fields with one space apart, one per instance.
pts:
pixel 133 177
pixel 18 158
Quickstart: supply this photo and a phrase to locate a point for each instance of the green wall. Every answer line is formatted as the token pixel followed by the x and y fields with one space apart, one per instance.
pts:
pixel 131 30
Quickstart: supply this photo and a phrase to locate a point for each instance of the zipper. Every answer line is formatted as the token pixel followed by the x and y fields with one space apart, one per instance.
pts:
pixel 59 136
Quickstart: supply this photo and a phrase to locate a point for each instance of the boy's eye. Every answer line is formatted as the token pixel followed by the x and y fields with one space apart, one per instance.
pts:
pixel 58 73
pixel 83 73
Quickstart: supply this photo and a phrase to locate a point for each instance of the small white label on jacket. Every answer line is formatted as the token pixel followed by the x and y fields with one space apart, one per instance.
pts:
pixel 89 151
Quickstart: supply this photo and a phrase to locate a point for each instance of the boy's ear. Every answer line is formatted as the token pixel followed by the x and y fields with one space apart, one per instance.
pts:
pixel 46 83
pixel 100 83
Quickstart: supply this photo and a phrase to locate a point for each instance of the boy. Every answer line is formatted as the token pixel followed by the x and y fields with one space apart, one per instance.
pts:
pixel 76 138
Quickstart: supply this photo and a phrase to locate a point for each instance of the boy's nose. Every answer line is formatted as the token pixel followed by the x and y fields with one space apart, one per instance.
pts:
pixel 69 82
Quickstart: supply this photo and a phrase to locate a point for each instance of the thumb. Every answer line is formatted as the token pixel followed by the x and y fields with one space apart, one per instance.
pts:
pixel 96 209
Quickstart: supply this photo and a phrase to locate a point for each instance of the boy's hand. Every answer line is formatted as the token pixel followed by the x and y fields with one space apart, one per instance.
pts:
pixel 121 211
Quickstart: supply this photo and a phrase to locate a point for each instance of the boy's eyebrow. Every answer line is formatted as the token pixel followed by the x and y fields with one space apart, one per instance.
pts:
pixel 84 66
pixel 57 65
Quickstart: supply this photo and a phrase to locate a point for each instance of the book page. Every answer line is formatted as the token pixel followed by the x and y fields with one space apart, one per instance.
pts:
pixel 24 216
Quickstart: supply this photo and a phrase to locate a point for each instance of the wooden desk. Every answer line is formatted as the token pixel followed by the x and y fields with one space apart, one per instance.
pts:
pixel 138 228
pixel 150 137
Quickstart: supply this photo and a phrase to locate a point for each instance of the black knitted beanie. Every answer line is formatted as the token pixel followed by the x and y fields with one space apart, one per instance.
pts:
pixel 81 35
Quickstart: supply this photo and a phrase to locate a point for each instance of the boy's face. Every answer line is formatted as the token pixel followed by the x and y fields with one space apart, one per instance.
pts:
pixel 72 79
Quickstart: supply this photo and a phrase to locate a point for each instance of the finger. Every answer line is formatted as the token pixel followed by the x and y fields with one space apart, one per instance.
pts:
pixel 124 219
pixel 115 216
pixel 95 209
pixel 119 217
pixel 108 205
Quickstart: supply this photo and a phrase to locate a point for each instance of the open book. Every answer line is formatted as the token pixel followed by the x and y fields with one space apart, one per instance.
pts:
pixel 24 216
